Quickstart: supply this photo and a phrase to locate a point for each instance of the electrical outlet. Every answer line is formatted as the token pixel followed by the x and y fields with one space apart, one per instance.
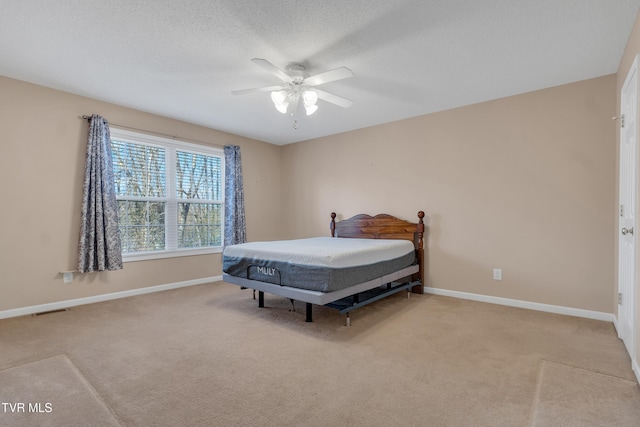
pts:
pixel 67 277
pixel 497 274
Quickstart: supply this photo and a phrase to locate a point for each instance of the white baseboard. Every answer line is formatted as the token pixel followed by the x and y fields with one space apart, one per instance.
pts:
pixel 577 312
pixel 456 294
pixel 615 325
pixel 104 297
pixel 634 362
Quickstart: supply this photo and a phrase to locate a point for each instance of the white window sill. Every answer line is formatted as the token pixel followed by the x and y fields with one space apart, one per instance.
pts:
pixel 145 256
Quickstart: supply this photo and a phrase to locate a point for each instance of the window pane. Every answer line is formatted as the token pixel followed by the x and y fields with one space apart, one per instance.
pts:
pixel 144 190
pixel 199 225
pixel 139 170
pixel 142 225
pixel 198 176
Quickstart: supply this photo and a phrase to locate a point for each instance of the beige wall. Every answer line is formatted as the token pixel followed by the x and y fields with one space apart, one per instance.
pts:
pixel 43 144
pixel 524 183
pixel 632 49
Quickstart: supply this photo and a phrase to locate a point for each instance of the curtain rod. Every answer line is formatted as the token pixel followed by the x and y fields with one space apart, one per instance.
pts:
pixel 85 117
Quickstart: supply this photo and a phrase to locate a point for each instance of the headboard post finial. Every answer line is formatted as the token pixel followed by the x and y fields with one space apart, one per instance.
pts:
pixel 420 230
pixel 420 253
pixel 332 225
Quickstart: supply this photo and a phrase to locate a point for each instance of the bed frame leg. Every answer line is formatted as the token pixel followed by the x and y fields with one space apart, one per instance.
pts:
pixel 348 319
pixel 260 299
pixel 309 316
pixel 254 294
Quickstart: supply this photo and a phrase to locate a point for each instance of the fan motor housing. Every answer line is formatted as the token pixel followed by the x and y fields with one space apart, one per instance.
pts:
pixel 297 71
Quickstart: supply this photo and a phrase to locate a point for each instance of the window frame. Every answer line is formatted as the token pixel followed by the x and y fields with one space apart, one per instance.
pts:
pixel 171 215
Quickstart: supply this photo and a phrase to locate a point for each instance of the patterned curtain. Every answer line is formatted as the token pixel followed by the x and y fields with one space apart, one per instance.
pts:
pixel 234 221
pixel 100 247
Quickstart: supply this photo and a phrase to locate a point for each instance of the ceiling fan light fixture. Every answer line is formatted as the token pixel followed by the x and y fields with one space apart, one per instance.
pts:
pixel 282 107
pixel 310 109
pixel 298 86
pixel 280 100
pixel 310 97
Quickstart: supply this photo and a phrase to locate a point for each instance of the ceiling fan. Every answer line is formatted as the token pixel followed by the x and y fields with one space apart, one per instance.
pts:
pixel 298 86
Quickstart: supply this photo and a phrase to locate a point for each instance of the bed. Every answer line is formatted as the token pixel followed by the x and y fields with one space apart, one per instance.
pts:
pixel 367 258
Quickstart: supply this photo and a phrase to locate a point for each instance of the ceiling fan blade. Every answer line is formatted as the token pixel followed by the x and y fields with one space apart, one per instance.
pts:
pixel 272 69
pixel 334 99
pixel 329 76
pixel 258 89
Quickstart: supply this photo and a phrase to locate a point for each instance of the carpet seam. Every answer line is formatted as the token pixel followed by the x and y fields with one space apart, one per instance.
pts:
pixel 632 383
pixel 33 361
pixel 82 377
pixel 536 395
pixel 93 390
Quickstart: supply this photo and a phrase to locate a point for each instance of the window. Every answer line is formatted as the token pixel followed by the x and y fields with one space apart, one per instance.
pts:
pixel 170 196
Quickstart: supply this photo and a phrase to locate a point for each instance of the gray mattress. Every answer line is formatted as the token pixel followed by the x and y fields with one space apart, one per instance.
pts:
pixel 321 278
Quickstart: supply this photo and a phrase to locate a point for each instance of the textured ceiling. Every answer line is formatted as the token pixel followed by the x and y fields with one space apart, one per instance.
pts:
pixel 182 58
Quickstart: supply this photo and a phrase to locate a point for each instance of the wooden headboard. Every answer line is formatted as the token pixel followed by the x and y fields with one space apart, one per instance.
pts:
pixel 385 226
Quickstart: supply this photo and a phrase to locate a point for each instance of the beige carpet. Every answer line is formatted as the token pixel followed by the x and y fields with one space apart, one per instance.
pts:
pixel 569 396
pixel 207 355
pixel 50 392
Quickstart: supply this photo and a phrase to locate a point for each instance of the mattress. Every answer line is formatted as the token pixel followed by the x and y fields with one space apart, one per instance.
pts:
pixel 323 264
